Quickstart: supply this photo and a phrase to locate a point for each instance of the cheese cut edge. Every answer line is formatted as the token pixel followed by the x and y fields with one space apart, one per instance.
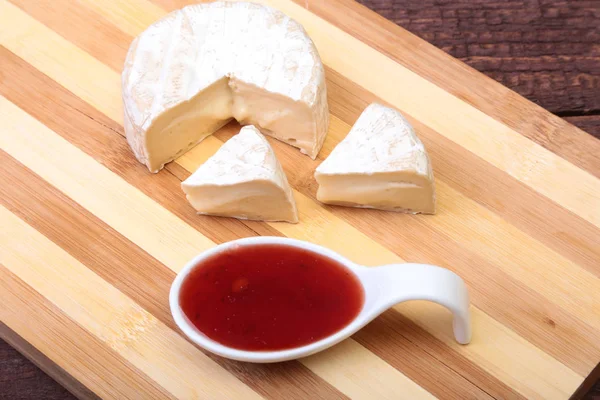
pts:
pixel 295 73
pixel 381 164
pixel 243 180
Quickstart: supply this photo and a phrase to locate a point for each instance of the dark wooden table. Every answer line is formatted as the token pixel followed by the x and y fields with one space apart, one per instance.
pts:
pixel 548 51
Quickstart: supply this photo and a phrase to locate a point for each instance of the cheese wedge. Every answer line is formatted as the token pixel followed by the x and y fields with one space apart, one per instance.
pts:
pixel 380 164
pixel 244 180
pixel 195 69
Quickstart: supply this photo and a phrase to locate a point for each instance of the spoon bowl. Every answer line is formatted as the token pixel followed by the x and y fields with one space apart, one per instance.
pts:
pixel 384 286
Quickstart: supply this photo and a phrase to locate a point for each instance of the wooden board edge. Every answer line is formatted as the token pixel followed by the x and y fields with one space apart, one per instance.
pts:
pixel 587 384
pixel 44 363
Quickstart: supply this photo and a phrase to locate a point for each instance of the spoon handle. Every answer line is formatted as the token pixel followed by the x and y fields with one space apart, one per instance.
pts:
pixel 396 283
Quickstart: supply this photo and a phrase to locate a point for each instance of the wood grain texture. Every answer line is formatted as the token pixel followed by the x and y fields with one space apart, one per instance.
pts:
pixel 40 105
pixel 463 81
pixel 518 220
pixel 589 123
pixel 546 51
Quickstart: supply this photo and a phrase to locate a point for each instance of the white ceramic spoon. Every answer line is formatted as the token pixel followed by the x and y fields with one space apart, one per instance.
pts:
pixel 384 287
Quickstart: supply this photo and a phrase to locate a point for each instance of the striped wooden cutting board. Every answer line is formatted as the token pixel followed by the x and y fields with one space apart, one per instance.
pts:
pixel 90 241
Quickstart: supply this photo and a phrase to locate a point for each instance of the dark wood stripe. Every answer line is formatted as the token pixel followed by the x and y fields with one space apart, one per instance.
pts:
pixel 525 311
pixel 414 239
pixel 291 163
pixel 45 364
pixel 97 135
pixel 112 267
pixel 464 171
pixel 69 19
pixel 127 267
pixel 103 140
pixel 389 335
pixel 459 79
pixel 289 158
pixel 80 346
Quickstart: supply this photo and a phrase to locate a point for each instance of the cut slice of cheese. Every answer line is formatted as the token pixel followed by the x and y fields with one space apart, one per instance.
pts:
pixel 380 164
pixel 242 180
pixel 192 71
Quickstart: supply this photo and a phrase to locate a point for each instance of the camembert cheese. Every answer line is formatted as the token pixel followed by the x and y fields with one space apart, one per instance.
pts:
pixel 189 73
pixel 244 180
pixel 380 164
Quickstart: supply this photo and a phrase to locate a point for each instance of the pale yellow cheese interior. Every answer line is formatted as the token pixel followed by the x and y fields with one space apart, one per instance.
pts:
pixel 256 200
pixel 275 115
pixel 243 179
pixel 180 128
pixel 393 191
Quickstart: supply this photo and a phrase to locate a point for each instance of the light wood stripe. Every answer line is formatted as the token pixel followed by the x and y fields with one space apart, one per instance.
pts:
pixel 133 17
pixel 365 382
pixel 89 182
pixel 479 233
pixel 112 317
pixel 55 57
pixel 318 218
pixel 128 268
pixel 119 151
pixel 383 334
pixel 104 141
pixel 412 356
pixel 65 161
pixel 564 284
pixel 458 217
pixel 65 342
pixel 112 200
pixel 570 238
pixel 62 17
